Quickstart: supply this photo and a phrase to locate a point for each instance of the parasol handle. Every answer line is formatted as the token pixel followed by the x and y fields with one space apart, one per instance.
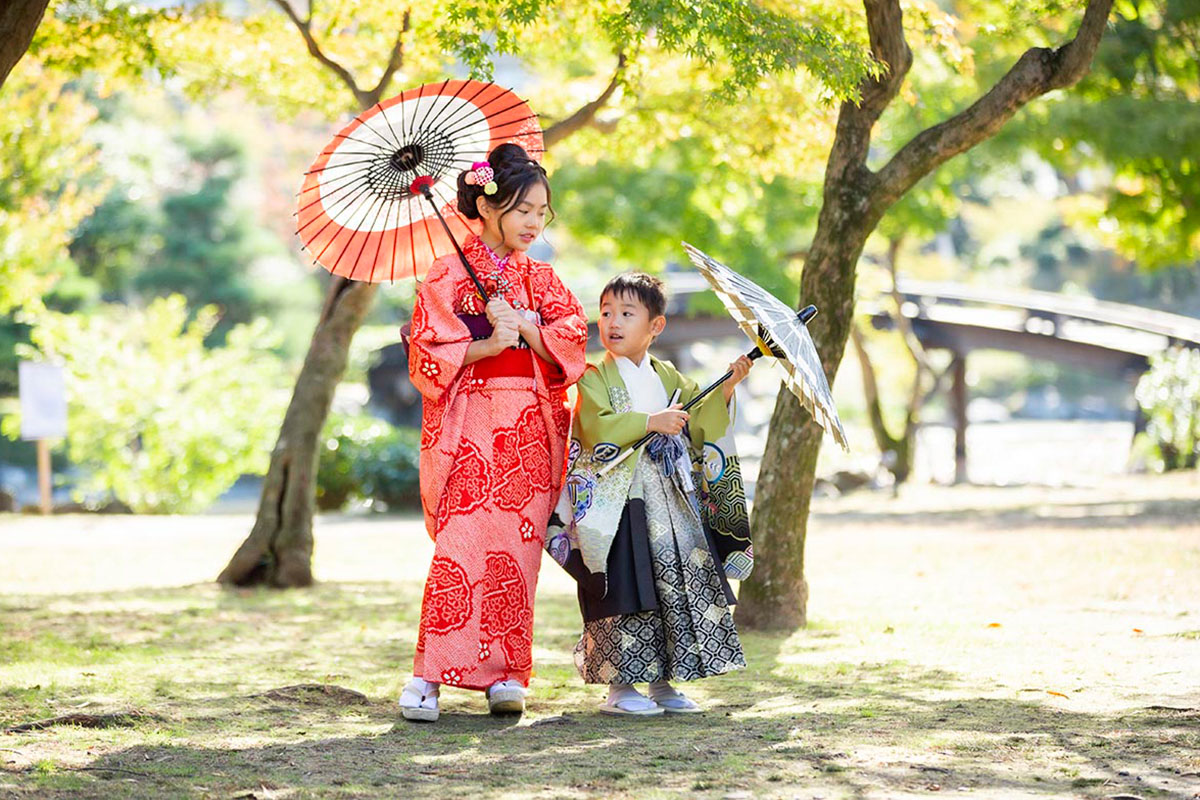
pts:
pixel 424 185
pixel 804 315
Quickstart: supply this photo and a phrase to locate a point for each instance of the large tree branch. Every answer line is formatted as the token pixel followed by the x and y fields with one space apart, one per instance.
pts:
pixel 885 29
pixel 587 114
pixel 395 61
pixel 846 167
pixel 314 49
pixel 18 21
pixel 1038 71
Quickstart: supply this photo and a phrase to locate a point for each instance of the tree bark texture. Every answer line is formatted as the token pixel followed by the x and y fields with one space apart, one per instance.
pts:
pixel 278 551
pixel 855 198
pixel 18 21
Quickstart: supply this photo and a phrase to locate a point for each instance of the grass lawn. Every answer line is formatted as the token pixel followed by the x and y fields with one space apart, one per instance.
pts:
pixel 975 642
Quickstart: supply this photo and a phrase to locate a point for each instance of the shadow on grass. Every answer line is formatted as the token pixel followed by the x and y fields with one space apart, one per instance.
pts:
pixel 762 742
pixel 204 659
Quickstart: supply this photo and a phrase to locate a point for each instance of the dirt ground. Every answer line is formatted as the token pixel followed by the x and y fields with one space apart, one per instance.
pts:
pixel 979 642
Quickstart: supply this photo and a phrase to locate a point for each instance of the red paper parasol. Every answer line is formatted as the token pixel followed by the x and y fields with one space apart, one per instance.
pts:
pixel 370 203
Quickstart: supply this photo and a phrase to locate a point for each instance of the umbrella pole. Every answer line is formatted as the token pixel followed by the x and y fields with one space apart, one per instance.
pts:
pixel 633 448
pixel 805 314
pixel 428 192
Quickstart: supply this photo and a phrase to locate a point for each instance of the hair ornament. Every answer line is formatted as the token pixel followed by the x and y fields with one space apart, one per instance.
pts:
pixel 482 174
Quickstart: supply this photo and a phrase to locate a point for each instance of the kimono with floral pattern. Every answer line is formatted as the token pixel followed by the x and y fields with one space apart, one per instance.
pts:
pixel 493 454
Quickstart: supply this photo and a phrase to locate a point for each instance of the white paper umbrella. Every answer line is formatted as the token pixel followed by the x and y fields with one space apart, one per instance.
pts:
pixel 780 331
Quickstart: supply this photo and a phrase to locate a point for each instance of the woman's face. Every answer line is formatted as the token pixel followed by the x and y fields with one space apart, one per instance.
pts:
pixel 519 226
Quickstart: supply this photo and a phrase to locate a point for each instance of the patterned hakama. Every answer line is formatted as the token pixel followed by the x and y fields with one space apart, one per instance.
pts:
pixel 691 634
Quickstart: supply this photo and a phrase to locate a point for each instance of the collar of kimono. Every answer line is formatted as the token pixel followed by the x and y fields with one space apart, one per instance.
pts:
pixel 612 374
pixel 484 259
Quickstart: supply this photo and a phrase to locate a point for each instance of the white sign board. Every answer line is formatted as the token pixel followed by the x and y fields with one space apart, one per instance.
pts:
pixel 43 401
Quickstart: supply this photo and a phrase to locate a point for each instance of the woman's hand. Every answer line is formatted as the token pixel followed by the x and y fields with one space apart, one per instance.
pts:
pixel 669 421
pixel 505 334
pixel 498 309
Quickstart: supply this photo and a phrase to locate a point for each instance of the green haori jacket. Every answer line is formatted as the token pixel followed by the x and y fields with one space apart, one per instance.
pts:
pixel 589 508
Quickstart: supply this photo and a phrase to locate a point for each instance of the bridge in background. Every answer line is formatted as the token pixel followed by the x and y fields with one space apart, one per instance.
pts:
pixel 1112 339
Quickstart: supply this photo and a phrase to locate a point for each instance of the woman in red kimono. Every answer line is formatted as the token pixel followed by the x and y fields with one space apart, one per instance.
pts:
pixel 493 436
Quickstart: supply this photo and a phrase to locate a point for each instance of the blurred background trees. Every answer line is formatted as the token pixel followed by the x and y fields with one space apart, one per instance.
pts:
pixel 151 154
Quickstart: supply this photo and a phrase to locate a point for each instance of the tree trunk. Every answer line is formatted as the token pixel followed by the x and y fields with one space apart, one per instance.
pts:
pixel 854 200
pixel 278 551
pixel 18 21
pixel 775 597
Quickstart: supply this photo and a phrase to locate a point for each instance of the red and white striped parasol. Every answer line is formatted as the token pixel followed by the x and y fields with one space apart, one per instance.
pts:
pixel 369 206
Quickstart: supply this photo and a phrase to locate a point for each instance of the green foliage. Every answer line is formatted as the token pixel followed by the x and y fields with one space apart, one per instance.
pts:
pixel 208 240
pixel 116 242
pixel 1146 82
pixel 636 216
pixel 111 38
pixel 253 48
pixel 365 458
pixel 1170 398
pixel 753 39
pixel 46 161
pixel 154 418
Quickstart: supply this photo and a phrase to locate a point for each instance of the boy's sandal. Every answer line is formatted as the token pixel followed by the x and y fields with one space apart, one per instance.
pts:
pixel 506 697
pixel 417 703
pixel 631 706
pixel 677 703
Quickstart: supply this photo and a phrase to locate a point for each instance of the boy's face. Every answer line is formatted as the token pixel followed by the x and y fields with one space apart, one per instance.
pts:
pixel 626 328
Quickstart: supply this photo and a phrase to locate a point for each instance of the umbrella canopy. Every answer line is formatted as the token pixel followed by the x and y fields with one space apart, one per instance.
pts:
pixel 359 214
pixel 777 328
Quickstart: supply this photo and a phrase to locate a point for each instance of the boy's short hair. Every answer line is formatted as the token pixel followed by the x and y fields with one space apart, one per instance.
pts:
pixel 646 288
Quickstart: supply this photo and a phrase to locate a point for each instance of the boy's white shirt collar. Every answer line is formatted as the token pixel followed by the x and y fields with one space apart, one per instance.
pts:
pixel 648 395
pixel 646 391
pixel 630 361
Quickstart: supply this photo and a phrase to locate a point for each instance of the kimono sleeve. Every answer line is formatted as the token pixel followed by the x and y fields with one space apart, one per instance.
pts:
pixel 439 340
pixel 564 329
pixel 597 423
pixel 710 418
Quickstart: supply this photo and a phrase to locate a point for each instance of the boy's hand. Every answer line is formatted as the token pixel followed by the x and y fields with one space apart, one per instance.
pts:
pixel 740 369
pixel 669 421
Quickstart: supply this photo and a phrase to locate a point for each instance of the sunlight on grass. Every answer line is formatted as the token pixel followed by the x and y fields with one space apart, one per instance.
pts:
pixel 946 656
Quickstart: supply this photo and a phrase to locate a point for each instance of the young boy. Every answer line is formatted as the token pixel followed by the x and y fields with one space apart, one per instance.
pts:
pixel 652 587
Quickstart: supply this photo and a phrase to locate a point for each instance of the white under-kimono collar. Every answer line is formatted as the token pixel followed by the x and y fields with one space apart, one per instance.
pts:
pixel 646 391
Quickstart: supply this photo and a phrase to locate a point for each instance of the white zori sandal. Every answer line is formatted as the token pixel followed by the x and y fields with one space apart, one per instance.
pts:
pixel 506 697
pixel 419 701
pixel 672 700
pixel 629 702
